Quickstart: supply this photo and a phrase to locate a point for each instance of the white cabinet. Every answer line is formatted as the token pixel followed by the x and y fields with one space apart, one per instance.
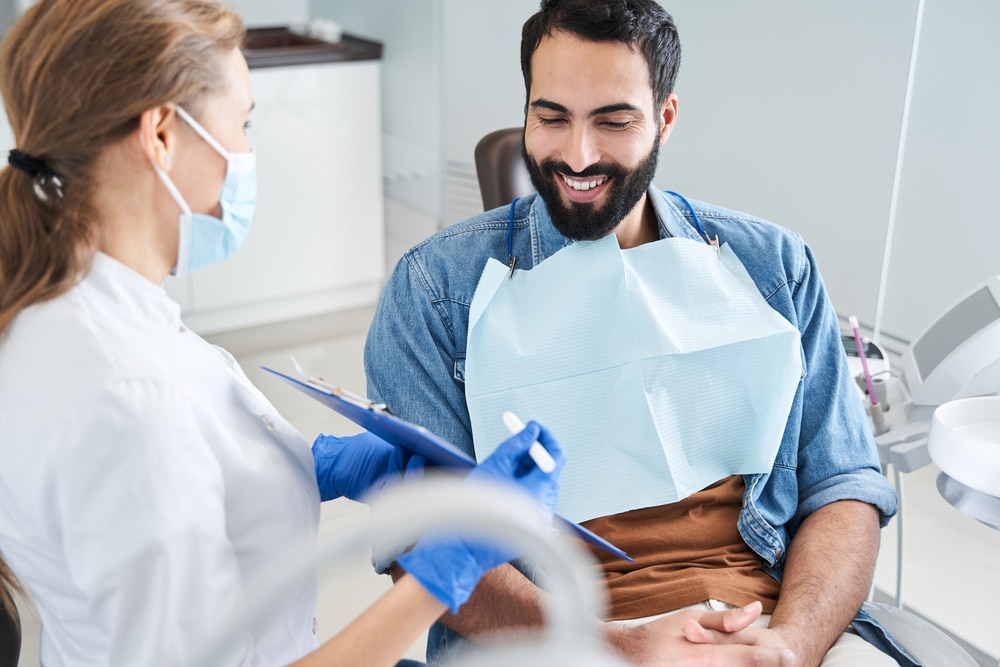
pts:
pixel 317 241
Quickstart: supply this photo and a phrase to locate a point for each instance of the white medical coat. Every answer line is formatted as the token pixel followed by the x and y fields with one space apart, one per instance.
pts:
pixel 145 484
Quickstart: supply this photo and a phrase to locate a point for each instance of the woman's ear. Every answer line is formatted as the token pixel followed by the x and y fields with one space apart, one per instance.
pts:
pixel 156 134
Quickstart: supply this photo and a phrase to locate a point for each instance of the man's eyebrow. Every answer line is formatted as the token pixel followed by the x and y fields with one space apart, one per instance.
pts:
pixel 614 108
pixel 543 103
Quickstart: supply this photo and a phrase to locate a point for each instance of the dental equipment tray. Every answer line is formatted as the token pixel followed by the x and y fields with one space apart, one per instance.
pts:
pixel 377 419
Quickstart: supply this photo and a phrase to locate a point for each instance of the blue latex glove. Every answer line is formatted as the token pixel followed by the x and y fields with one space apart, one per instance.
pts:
pixel 357 466
pixel 450 568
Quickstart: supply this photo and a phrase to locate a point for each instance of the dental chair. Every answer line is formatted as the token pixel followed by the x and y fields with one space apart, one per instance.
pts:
pixel 503 177
pixel 500 168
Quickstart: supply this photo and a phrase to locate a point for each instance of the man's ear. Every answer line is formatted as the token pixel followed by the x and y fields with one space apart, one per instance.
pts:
pixel 156 134
pixel 668 117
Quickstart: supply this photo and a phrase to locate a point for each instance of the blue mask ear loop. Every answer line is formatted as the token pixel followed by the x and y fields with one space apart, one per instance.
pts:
pixel 511 257
pixel 697 223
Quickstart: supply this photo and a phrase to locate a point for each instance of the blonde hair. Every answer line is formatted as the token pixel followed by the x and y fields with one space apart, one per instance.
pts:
pixel 75 76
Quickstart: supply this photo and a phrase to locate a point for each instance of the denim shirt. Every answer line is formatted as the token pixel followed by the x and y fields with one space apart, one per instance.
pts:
pixel 415 358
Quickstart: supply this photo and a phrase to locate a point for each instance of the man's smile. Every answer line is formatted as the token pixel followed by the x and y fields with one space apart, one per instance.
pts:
pixel 585 189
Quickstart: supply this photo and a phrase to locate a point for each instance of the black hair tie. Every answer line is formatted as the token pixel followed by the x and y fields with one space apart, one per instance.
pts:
pixel 47 183
pixel 29 164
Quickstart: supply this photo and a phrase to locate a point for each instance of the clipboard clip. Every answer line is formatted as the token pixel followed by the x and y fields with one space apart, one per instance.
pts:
pixel 334 390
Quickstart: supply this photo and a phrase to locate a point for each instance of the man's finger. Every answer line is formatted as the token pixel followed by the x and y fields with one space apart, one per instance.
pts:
pixel 731 620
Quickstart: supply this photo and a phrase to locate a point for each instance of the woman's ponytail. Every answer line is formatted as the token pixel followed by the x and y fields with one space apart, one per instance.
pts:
pixel 42 249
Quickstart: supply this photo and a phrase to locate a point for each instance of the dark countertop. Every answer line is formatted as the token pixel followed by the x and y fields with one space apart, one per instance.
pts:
pixel 281 47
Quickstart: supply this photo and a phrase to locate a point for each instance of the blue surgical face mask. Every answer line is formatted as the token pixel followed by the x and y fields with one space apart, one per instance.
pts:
pixel 206 239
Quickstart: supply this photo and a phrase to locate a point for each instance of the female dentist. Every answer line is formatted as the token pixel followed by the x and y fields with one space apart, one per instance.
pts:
pixel 145 484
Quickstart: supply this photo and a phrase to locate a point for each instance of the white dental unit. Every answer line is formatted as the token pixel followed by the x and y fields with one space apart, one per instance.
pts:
pixel 946 409
pixel 958 355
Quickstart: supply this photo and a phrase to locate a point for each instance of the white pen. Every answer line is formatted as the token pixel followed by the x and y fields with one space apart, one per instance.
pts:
pixel 538 454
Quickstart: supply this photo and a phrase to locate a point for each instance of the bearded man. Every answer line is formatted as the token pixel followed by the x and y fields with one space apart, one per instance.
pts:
pixel 687 356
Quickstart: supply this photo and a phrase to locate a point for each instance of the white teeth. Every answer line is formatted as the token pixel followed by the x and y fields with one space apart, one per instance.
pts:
pixel 584 185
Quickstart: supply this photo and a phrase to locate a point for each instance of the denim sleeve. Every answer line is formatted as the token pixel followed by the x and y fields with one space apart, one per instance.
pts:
pixel 412 360
pixel 415 353
pixel 837 457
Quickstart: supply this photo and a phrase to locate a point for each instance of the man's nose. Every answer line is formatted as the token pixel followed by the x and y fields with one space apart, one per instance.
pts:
pixel 582 148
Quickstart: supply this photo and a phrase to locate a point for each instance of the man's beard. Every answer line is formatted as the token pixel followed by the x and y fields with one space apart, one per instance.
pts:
pixel 585 221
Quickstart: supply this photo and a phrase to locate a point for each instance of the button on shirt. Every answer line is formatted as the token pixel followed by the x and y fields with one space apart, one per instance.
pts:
pixel 147 488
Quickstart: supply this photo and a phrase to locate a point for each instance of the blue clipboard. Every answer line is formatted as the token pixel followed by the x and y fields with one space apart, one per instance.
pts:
pixel 377 419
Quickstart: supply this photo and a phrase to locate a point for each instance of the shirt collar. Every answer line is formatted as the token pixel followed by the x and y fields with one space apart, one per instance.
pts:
pixel 671 217
pixel 133 292
pixel 545 238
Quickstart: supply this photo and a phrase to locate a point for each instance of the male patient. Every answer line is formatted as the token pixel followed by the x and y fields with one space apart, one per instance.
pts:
pixel 727 452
